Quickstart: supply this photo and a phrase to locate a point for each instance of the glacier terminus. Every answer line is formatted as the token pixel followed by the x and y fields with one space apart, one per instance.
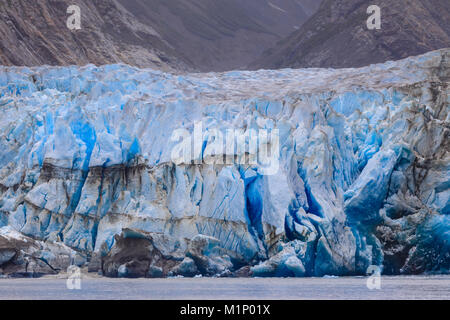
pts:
pixel 87 176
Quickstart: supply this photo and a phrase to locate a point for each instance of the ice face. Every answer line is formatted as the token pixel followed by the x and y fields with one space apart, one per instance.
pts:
pixel 363 175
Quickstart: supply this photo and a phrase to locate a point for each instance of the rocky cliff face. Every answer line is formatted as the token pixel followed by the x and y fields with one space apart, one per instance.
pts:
pixel 204 35
pixel 337 35
pixel 34 33
pixel 216 35
pixel 362 170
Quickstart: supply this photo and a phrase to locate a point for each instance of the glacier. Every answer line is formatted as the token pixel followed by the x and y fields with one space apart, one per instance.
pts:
pixel 87 173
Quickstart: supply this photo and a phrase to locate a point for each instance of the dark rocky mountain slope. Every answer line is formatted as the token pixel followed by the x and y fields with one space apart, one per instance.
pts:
pixel 35 33
pixel 203 35
pixel 337 35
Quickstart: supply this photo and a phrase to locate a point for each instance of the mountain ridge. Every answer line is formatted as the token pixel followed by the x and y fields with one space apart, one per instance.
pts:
pixel 176 35
pixel 336 36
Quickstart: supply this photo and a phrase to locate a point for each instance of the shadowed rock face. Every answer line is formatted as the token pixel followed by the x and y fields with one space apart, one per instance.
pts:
pixel 363 173
pixel 217 35
pixel 337 35
pixel 204 35
pixel 134 257
pixel 35 33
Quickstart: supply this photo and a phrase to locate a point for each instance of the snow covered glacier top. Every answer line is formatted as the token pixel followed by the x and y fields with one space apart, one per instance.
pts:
pixel 87 151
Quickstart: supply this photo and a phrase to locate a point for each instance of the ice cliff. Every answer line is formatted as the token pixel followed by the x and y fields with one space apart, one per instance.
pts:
pixel 87 172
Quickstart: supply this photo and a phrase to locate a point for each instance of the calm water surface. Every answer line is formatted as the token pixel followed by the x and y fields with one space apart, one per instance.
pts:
pixel 415 287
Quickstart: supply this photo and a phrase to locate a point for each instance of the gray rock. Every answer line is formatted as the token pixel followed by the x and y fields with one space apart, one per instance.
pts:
pixel 134 255
pixel 95 264
pixel 25 256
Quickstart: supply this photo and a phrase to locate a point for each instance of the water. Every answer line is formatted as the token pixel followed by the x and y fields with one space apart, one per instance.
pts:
pixel 414 287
